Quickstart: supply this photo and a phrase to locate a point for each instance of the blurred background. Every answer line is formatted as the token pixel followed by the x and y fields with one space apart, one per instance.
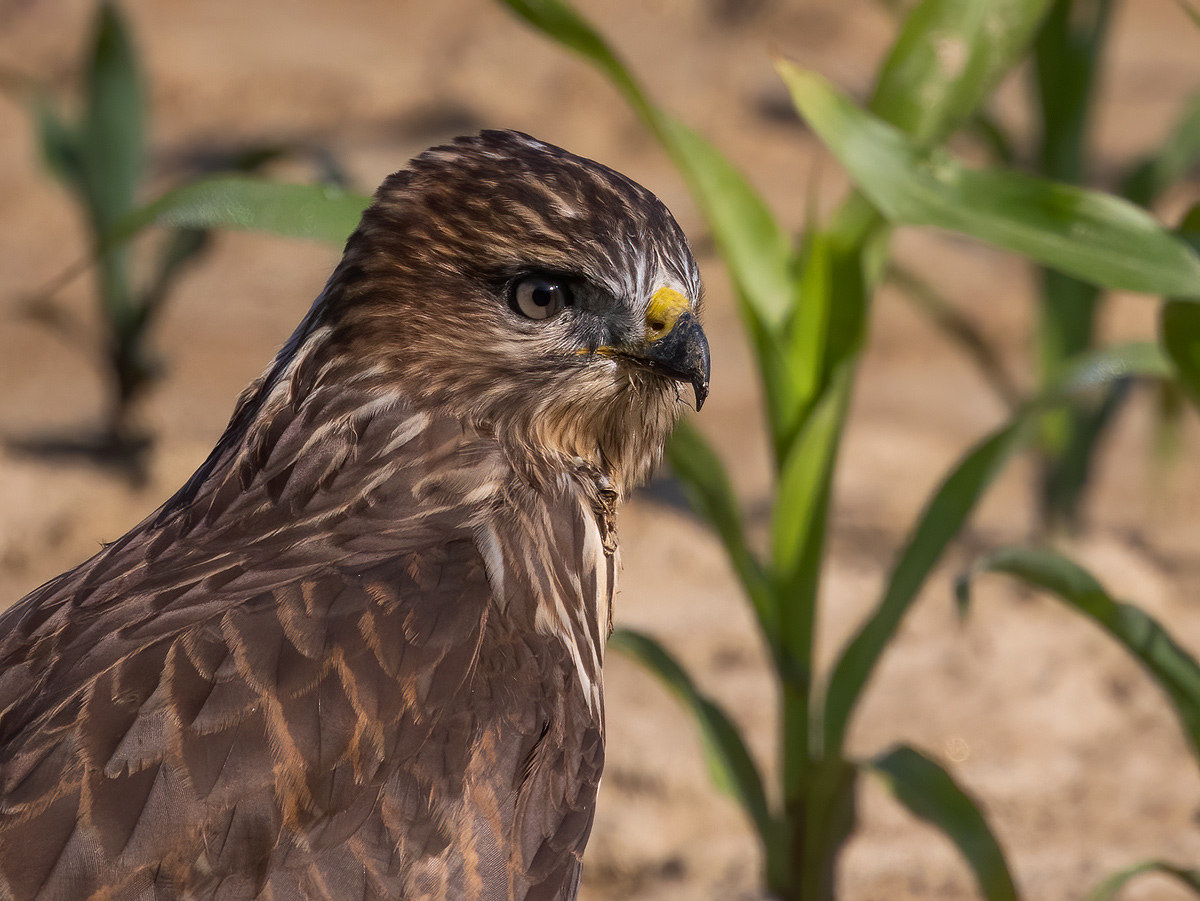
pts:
pixel 1072 753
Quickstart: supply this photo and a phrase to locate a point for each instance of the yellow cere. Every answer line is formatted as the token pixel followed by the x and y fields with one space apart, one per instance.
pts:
pixel 666 306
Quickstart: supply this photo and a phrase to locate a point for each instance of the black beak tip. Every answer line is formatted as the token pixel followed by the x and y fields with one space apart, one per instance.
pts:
pixel 681 354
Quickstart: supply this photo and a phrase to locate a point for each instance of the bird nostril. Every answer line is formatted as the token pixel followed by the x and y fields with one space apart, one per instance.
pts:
pixel 656 326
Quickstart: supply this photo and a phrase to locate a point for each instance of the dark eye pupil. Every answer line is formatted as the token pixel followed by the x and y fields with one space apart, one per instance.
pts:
pixel 540 297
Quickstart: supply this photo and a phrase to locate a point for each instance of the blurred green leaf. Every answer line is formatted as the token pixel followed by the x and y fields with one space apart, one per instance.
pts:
pixel 1179 322
pixel 703 476
pixel 58 142
pixel 112 138
pixel 1099 368
pixel 938 524
pixel 233 201
pixel 565 25
pixel 1108 889
pixel 1172 160
pixel 990 131
pixel 801 496
pixel 1173 668
pixel 732 767
pixel 756 249
pixel 947 59
pixel 931 794
pixel 1191 11
pixel 1066 59
pixel 945 514
pixel 1066 474
pixel 1088 234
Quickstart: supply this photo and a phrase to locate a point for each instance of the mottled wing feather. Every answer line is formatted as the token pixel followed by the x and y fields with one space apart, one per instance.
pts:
pixel 231 701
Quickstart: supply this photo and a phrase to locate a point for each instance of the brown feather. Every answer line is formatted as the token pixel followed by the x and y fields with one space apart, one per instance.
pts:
pixel 358 654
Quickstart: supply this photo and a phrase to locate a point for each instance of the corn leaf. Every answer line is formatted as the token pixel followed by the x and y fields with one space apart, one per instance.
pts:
pixel 802 495
pixel 732 768
pixel 703 475
pixel 112 134
pixel 1179 330
pixel 1094 236
pixel 1179 322
pixel 58 141
pixel 1108 889
pixel 1173 668
pixel 320 212
pixel 1172 160
pixel 931 794
pixel 757 251
pixel 947 59
pixel 945 514
pixel 937 525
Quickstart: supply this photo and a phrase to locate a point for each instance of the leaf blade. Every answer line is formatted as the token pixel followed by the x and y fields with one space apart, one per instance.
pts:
pixel 710 492
pixel 757 250
pixel 947 58
pixel 938 523
pixel 113 129
pixel 945 514
pixel 733 769
pixel 1088 234
pixel 1175 671
pixel 931 794
pixel 1108 889
pixel 319 212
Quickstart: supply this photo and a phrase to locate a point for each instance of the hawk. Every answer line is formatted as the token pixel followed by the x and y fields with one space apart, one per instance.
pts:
pixel 358 654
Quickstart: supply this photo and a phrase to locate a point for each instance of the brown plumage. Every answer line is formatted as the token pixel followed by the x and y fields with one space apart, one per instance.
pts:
pixel 358 654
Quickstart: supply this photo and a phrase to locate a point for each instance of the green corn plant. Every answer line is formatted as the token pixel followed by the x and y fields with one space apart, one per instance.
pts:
pixel 1067 67
pixel 805 310
pixel 100 156
pixel 1036 218
pixel 1172 668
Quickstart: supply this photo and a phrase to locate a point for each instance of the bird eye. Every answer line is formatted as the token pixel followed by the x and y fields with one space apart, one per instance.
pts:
pixel 540 297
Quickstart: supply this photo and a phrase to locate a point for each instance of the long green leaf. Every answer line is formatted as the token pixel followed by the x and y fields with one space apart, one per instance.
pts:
pixel 797 526
pixel 753 245
pixel 1108 889
pixel 58 142
pixel 948 57
pixel 929 792
pixel 1179 331
pixel 112 136
pixel 1094 236
pixel 1179 321
pixel 945 514
pixel 732 767
pixel 757 250
pixel 937 525
pixel 703 475
pixel 1171 161
pixel 1173 668
pixel 233 201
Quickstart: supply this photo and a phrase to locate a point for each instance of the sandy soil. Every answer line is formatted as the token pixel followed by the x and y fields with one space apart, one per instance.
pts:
pixel 1074 754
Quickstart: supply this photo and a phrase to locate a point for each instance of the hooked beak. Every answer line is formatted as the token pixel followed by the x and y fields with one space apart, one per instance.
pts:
pixel 675 344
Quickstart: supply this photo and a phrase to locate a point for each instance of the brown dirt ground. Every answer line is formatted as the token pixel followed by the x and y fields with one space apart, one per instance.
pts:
pixel 1073 752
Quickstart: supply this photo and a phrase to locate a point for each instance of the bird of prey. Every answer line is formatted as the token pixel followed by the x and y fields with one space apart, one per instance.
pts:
pixel 358 654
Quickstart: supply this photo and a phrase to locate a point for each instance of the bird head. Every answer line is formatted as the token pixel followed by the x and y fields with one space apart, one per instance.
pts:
pixel 536 294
